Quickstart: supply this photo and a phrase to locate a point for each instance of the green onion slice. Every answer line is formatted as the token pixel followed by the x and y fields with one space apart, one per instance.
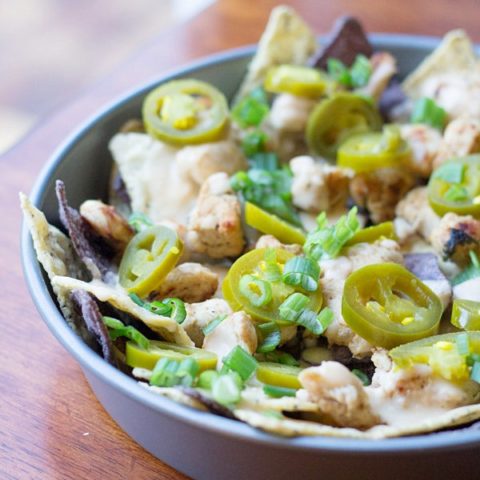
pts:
pixel 278 392
pixel 139 221
pixel 293 306
pixel 170 373
pixel 362 376
pixel 327 241
pixel 227 388
pixel 241 362
pixel 211 326
pixel 302 272
pixel 117 329
pixel 425 110
pixel 475 373
pixel 271 337
pixel 257 291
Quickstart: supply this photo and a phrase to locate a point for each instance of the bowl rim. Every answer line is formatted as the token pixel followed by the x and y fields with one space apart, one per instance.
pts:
pixel 90 360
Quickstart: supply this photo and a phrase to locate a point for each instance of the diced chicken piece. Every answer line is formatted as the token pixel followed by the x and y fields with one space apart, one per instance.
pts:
pixel 403 230
pixel 469 290
pixel 191 282
pixel 269 241
pixel 417 386
pixel 461 137
pixel 384 67
pixel 416 210
pixel 380 191
pixel 198 162
pixel 107 223
pixel 290 113
pixel 318 187
pixel 455 236
pixel 334 274
pixel 425 142
pixel 237 329
pixel 215 227
pixel 340 395
pixel 199 315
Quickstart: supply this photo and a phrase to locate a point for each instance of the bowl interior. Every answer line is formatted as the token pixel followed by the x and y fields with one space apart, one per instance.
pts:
pixel 83 162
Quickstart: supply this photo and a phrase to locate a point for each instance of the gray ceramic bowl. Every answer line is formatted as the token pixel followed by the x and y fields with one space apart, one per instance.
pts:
pixel 198 444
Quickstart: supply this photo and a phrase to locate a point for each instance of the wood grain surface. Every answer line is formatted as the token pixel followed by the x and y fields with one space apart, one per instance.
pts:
pixel 51 425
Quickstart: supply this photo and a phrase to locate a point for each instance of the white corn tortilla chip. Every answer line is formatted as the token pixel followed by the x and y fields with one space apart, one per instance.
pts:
pixel 117 297
pixel 55 252
pixel 290 427
pixel 176 395
pixel 454 54
pixel 287 39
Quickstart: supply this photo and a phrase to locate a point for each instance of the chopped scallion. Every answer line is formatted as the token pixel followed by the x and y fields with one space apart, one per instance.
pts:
pixel 264 161
pixel 207 378
pixel 278 392
pixel 426 110
pixel 360 71
pixel 169 373
pixel 271 337
pixel 117 329
pixel 339 72
pixel 361 376
pixel 302 272
pixel 178 312
pixel 281 357
pixel 293 306
pixel 251 110
pixel 227 389
pixel 139 221
pixel 254 142
pixel 327 241
pixel 272 271
pixel 241 362
pixel 211 326
pixel 257 291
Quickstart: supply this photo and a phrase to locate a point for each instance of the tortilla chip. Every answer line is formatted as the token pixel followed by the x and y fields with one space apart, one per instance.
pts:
pixel 454 54
pixel 176 395
pixel 118 298
pixel 291 428
pixel 287 39
pixel 347 40
pixel 56 254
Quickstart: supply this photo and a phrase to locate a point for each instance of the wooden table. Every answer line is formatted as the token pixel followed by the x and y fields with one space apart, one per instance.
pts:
pixel 51 425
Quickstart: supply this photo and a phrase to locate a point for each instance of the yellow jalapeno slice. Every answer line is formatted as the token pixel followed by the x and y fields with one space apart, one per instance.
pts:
pixel 241 291
pixel 455 187
pixel 369 151
pixel 136 356
pixel 446 354
pixel 373 233
pixel 297 80
pixel 148 258
pixel 387 305
pixel 278 374
pixel 336 118
pixel 185 112
pixel 271 224
pixel 466 314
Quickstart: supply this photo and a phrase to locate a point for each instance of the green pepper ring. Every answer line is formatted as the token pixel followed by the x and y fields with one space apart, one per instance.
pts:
pixel 204 131
pixel 323 138
pixel 437 188
pixel 372 327
pixel 247 264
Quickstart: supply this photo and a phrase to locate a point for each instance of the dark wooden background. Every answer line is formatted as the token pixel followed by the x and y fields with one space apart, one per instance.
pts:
pixel 51 426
